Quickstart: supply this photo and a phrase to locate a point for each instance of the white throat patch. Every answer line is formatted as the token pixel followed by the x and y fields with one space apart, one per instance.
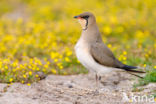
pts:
pixel 83 23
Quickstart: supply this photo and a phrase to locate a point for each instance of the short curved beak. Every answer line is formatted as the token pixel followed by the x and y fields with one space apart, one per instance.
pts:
pixel 76 17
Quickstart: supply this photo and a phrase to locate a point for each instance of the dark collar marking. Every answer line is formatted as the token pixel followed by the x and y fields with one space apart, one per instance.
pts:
pixel 86 24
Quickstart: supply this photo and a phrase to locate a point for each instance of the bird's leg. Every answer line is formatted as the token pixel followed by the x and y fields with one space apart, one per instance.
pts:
pixel 97 84
pixel 96 78
pixel 99 78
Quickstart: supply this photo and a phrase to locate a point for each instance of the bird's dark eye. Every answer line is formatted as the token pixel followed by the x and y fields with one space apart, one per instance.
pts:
pixel 85 17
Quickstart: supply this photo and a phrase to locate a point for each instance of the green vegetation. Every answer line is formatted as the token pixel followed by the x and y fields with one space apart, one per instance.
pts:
pixel 150 77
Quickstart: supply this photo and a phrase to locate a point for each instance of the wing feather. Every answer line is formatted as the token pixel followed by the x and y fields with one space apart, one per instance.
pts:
pixel 103 55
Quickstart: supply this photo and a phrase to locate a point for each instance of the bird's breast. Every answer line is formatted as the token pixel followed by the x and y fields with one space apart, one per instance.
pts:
pixel 84 56
pixel 82 53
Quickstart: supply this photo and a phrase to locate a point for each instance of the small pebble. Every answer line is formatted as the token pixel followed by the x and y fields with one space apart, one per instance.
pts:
pixel 70 86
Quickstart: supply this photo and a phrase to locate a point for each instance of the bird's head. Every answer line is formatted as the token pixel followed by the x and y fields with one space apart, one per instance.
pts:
pixel 86 19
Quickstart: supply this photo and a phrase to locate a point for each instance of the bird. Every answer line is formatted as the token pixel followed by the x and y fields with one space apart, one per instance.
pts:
pixel 93 54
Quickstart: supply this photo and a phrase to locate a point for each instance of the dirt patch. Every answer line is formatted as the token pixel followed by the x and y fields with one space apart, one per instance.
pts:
pixel 75 89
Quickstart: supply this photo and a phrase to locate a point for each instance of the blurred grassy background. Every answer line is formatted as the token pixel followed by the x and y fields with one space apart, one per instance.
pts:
pixel 39 35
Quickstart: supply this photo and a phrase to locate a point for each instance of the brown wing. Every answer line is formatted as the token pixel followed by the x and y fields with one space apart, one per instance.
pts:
pixel 103 55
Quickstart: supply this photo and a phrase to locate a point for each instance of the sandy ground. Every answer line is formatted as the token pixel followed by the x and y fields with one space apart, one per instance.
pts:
pixel 75 89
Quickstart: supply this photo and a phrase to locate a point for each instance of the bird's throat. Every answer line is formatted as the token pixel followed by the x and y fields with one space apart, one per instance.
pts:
pixel 83 23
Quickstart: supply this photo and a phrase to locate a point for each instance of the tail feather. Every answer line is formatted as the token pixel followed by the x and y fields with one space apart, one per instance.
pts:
pixel 130 69
pixel 136 75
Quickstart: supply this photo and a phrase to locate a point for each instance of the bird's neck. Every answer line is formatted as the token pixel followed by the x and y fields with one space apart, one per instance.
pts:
pixel 91 34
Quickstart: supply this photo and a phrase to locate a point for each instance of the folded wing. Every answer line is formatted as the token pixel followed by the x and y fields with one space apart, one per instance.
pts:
pixel 103 55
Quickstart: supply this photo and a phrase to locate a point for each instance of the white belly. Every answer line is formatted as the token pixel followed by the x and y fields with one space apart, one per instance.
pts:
pixel 83 55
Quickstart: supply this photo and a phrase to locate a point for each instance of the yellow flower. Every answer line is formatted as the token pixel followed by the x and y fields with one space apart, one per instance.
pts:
pixel 124 58
pixel 124 53
pixel 78 61
pixel 24 76
pixel 113 20
pixel 0 65
pixel 14 64
pixel 11 79
pixel 21 66
pixel 109 46
pixel 28 84
pixel 61 67
pixel 144 65
pixel 30 67
pixel 31 61
pixel 6 67
pixel 107 30
pixel 55 60
pixel 65 73
pixel 2 69
pixel 6 60
pixel 124 62
pixel 44 70
pixel 146 55
pixel 37 69
pixel 54 55
pixel 14 70
pixel 69 53
pixel 67 59
pixel 46 66
pixel 48 63
pixel 59 64
pixel 24 53
pixel 139 34
pixel 22 81
pixel 119 58
pixel 154 45
pixel 155 67
pixel 53 71
pixel 30 73
pixel 33 68
pixel 37 75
